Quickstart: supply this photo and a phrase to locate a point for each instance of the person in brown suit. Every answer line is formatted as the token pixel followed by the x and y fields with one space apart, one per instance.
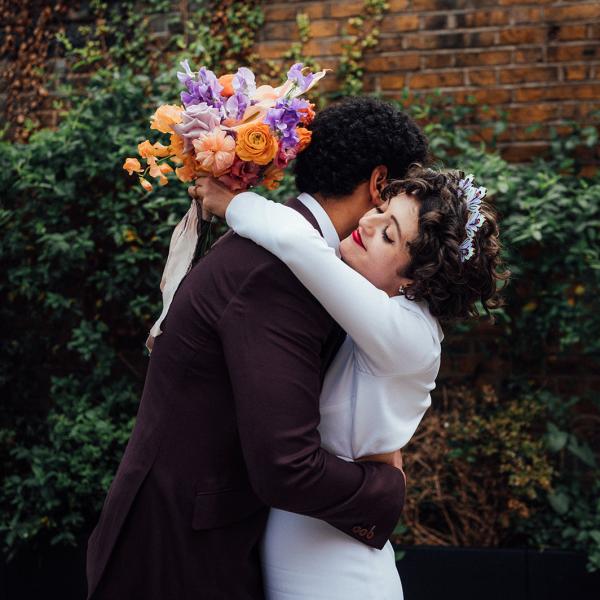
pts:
pixel 228 421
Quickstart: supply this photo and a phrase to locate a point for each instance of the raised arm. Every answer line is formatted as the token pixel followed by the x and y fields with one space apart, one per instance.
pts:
pixel 389 338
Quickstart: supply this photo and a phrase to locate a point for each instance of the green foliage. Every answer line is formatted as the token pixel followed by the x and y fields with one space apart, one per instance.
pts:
pixel 81 253
pixel 361 34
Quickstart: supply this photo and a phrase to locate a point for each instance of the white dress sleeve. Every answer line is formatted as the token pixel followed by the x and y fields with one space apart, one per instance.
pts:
pixel 389 338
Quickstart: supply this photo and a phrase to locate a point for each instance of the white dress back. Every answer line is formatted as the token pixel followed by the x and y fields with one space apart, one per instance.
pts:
pixel 374 395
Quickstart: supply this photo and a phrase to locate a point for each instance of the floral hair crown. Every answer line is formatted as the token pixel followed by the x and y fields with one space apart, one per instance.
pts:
pixel 472 196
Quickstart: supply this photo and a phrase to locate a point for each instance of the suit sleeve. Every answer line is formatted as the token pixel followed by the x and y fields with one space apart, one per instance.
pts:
pixel 272 334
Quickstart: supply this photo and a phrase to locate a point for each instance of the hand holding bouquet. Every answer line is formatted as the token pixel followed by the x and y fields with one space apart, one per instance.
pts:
pixel 227 128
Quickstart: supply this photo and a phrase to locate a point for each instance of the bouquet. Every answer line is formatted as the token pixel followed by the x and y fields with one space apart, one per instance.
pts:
pixel 227 128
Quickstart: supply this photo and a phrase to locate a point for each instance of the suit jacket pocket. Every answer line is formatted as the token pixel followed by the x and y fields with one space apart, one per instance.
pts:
pixel 218 509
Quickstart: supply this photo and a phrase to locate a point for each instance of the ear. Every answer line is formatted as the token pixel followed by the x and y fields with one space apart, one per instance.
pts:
pixel 377 182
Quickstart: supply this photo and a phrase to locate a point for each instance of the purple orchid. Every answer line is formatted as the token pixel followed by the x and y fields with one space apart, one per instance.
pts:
pixel 284 118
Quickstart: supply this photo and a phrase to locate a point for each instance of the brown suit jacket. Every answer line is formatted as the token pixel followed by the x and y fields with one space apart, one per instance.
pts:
pixel 227 426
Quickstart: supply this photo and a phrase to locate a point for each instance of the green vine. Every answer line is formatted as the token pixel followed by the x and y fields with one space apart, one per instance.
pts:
pixel 362 34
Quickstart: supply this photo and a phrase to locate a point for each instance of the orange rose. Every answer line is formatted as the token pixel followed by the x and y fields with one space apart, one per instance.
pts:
pixel 272 177
pixel 165 117
pixel 227 82
pixel 304 135
pixel 255 143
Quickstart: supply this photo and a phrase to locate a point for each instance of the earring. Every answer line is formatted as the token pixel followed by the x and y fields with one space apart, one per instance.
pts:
pixel 401 290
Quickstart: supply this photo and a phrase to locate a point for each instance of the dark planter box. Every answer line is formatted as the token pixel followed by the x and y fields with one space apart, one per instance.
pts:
pixel 427 574
pixel 435 573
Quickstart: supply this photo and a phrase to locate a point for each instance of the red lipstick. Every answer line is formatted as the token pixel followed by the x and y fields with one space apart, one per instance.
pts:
pixel 357 238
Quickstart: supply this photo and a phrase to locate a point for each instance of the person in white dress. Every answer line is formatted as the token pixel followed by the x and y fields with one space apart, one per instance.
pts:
pixel 430 250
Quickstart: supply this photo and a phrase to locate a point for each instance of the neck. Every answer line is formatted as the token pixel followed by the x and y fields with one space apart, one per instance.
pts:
pixel 345 211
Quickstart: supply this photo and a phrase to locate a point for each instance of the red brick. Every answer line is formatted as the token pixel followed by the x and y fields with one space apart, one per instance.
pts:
pixel 534 113
pixel 287 11
pixel 284 30
pixel 390 43
pixel 526 15
pixel 558 92
pixel 511 2
pixel 571 32
pixel 578 12
pixel 394 23
pixel 398 62
pixel 434 22
pixel 528 55
pixel 483 18
pixel 482 77
pixel 522 35
pixel 353 8
pixel 436 80
pixel 392 82
pixel 528 74
pixel 271 49
pixel 573 53
pixel 524 152
pixel 483 96
pixel 325 27
pixel 438 61
pixel 320 47
pixel 575 72
pixel 397 5
pixel 477 59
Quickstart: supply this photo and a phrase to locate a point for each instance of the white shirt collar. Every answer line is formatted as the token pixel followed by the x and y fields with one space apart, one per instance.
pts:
pixel 323 220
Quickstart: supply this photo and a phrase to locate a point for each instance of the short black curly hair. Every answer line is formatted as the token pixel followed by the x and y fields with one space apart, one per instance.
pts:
pixel 452 288
pixel 352 137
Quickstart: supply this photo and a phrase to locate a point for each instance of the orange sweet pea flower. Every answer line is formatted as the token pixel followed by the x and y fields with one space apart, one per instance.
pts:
pixel 146 149
pixel 304 135
pixel 190 169
pixel 132 165
pixel 227 82
pixel 165 117
pixel 309 114
pixel 146 184
pixel 272 177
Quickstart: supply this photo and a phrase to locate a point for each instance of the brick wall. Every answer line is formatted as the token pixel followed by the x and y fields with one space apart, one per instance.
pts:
pixel 540 61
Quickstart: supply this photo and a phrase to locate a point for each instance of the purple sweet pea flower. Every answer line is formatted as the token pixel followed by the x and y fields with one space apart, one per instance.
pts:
pixel 206 88
pixel 197 119
pixel 243 82
pixel 300 80
pixel 236 105
pixel 284 118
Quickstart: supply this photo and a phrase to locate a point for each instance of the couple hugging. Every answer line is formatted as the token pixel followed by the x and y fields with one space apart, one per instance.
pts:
pixel 295 360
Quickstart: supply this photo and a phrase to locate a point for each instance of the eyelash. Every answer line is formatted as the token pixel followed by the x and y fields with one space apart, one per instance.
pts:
pixel 384 234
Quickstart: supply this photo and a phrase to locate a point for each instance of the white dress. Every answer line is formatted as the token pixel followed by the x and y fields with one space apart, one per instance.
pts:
pixel 373 398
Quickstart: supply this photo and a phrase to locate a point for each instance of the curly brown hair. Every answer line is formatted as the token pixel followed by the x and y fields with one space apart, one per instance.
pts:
pixel 452 288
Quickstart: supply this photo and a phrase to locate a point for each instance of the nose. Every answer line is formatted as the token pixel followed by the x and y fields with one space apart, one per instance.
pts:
pixel 367 223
